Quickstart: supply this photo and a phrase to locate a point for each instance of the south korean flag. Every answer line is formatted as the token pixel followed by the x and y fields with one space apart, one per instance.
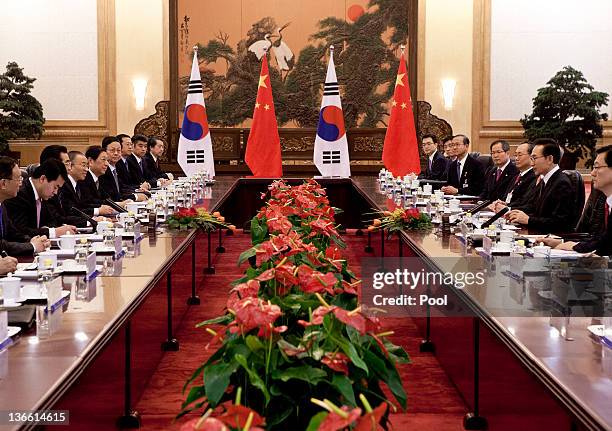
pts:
pixel 195 146
pixel 331 147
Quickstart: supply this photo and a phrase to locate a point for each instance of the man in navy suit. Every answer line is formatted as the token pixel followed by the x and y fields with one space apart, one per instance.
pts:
pixel 500 177
pixel 465 173
pixel 550 209
pixel 123 164
pixel 437 164
pixel 600 243
pixel 522 188
pixel 155 176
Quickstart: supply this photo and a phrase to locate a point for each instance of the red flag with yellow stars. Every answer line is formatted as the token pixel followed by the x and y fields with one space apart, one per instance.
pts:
pixel 401 150
pixel 263 152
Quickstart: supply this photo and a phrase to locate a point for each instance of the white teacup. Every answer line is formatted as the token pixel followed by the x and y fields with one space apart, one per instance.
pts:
pixel 31 290
pixel 47 260
pixel 503 246
pixel 427 188
pixel 454 204
pixel 11 288
pixel 67 242
pixel 132 207
pixel 541 251
pixel 506 236
pixel 102 226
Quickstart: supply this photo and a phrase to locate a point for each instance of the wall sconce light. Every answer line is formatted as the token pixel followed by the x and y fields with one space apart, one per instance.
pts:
pixel 140 91
pixel 448 92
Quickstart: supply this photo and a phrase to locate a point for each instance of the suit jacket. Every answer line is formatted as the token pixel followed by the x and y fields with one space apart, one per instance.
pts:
pixel 57 212
pixel 494 189
pixel 153 171
pixel 438 169
pixel 593 216
pixel 13 242
pixel 549 209
pixel 522 190
pixel 117 191
pixel 22 210
pixel 125 177
pixel 600 243
pixel 69 198
pixel 138 174
pixel 472 177
pixel 92 196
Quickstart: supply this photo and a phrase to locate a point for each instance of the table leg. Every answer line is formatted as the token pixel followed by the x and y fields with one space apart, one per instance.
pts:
pixel 473 420
pixel 193 299
pixel 220 248
pixel 368 248
pixel 171 344
pixel 209 269
pixel 130 418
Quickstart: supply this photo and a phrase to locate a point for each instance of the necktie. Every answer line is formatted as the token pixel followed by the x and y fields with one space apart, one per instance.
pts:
pixel 114 171
pixel 1 220
pixel 140 166
pixel 606 214
pixel 77 189
pixel 126 165
pixel 429 164
pixel 97 185
pixel 459 172
pixel 498 176
pixel 38 207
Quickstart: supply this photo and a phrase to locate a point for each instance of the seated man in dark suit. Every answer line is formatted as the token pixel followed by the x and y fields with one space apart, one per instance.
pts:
pixel 123 168
pixel 549 210
pixel 446 145
pixel 93 195
pixel 500 177
pixel 593 215
pixel 111 182
pixel 136 164
pixel 54 205
pixel 523 186
pixel 156 175
pixel 465 174
pixel 28 210
pixel 437 164
pixel 600 243
pixel 12 241
pixel 71 194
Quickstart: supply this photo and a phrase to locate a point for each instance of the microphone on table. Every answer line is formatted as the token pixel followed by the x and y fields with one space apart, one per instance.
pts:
pixel 479 207
pixel 496 216
pixel 79 213
pixel 115 206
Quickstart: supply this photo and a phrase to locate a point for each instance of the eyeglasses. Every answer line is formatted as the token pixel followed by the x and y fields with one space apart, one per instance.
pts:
pixel 534 158
pixel 20 178
pixel 599 167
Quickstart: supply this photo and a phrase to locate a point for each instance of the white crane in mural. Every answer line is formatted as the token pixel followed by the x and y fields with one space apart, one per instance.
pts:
pixel 282 52
pixel 260 47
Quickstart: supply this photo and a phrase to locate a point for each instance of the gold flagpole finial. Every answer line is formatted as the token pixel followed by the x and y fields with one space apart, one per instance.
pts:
pixel 331 48
pixel 195 48
pixel 402 47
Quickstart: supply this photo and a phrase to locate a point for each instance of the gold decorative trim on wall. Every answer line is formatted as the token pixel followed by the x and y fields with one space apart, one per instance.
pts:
pixel 107 116
pixel 485 130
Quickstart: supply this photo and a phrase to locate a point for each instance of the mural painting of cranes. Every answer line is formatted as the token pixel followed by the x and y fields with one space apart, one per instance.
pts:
pixel 280 50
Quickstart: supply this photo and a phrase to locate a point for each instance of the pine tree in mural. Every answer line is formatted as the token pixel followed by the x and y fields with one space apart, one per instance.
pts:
pixel 568 110
pixel 21 115
pixel 366 63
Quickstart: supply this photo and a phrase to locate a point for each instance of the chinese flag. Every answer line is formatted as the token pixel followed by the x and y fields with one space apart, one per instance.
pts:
pixel 263 152
pixel 401 150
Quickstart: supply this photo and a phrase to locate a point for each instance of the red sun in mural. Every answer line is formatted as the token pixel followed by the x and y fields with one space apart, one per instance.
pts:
pixel 354 12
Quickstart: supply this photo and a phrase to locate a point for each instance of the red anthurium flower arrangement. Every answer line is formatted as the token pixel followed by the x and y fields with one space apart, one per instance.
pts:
pixel 401 219
pixel 294 329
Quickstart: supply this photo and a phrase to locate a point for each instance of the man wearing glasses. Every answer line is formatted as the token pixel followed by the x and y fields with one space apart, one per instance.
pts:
pixel 12 241
pixel 437 164
pixel 550 209
pixel 523 186
pixel 602 181
pixel 501 176
pixel 465 174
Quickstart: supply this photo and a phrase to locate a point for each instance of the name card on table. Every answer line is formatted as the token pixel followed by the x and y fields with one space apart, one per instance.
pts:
pixel 136 231
pixel 487 244
pixel 90 265
pixel 54 291
pixel 3 325
pixel 118 247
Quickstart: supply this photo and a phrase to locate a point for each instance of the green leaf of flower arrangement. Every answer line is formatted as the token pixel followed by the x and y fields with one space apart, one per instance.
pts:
pixel 253 377
pixel 217 379
pixel 305 373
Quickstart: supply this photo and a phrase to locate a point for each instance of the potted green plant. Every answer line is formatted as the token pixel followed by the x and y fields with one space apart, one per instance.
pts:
pixel 21 115
pixel 568 110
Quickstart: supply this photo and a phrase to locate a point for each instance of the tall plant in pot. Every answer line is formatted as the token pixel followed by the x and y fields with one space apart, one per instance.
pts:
pixel 568 109
pixel 21 115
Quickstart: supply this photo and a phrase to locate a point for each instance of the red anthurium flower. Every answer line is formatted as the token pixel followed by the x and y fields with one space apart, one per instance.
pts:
pixel 279 224
pixel 208 424
pixel 353 318
pixel 349 288
pixel 248 289
pixel 236 416
pixel 312 281
pixel 334 422
pixel 371 421
pixel 322 226
pixel 284 275
pixel 333 252
pixel 337 361
pixel 254 313
pixel 266 275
